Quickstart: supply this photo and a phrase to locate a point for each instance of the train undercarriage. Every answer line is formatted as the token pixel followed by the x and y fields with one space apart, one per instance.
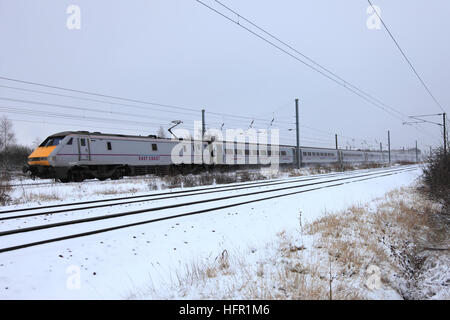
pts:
pixel 116 172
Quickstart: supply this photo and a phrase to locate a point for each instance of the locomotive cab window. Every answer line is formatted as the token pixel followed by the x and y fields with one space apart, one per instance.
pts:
pixel 50 142
pixel 154 147
pixel 109 146
pixel 69 143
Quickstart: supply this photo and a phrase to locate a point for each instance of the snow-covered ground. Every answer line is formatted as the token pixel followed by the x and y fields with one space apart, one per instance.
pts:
pixel 146 260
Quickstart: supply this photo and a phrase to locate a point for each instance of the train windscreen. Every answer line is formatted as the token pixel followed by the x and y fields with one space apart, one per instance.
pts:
pixel 51 141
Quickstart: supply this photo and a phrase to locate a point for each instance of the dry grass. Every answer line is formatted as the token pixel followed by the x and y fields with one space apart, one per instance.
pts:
pixel 199 272
pixel 387 233
pixel 5 188
pixel 319 169
pixel 372 165
pixel 116 191
pixel 37 197
pixel 390 236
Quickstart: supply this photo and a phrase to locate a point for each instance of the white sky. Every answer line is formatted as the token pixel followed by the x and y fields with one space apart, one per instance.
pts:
pixel 178 52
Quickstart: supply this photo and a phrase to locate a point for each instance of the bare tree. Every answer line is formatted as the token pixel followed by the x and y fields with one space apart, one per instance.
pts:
pixel 36 143
pixel 161 132
pixel 7 135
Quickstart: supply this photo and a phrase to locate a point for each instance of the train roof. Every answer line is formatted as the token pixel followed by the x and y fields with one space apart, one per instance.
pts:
pixel 66 133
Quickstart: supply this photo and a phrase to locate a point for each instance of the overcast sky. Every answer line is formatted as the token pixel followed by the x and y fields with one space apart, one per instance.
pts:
pixel 179 53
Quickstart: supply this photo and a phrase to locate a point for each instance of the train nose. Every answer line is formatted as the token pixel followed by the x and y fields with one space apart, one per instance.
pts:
pixel 40 156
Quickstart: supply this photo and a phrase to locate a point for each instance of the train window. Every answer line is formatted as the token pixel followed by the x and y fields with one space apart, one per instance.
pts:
pixel 83 142
pixel 283 153
pixel 228 151
pixel 154 147
pixel 49 142
pixel 305 154
pixel 69 143
pixel 109 146
pixel 263 152
pixel 309 153
pixel 270 152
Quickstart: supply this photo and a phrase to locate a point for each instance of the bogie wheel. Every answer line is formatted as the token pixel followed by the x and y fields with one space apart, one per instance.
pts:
pixel 117 175
pixel 77 176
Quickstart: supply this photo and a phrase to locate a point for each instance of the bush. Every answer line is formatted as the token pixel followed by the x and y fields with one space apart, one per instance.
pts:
pixel 5 188
pixel 436 178
pixel 14 157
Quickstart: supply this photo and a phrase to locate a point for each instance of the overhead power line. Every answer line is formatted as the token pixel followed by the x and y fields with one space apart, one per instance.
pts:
pixel 406 58
pixel 93 100
pixel 28 102
pixel 31 112
pixel 311 60
pixel 190 111
pixel 312 65
pixel 97 94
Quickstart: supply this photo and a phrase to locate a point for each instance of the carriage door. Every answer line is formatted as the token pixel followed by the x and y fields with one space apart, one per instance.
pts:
pixel 84 150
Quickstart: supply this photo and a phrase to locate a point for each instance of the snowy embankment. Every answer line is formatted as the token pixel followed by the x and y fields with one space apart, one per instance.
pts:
pixel 391 248
pixel 147 261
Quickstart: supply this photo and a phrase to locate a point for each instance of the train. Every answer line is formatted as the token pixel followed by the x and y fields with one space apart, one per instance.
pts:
pixel 74 156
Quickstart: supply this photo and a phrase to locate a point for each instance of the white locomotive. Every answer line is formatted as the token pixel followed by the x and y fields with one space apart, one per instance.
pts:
pixel 78 155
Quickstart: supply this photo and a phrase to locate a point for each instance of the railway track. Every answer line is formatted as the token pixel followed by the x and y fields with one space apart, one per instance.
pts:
pixel 56 183
pixel 169 194
pixel 20 238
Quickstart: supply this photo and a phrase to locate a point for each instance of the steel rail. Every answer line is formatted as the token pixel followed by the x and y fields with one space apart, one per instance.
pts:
pixel 98 231
pixel 173 194
pixel 134 212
